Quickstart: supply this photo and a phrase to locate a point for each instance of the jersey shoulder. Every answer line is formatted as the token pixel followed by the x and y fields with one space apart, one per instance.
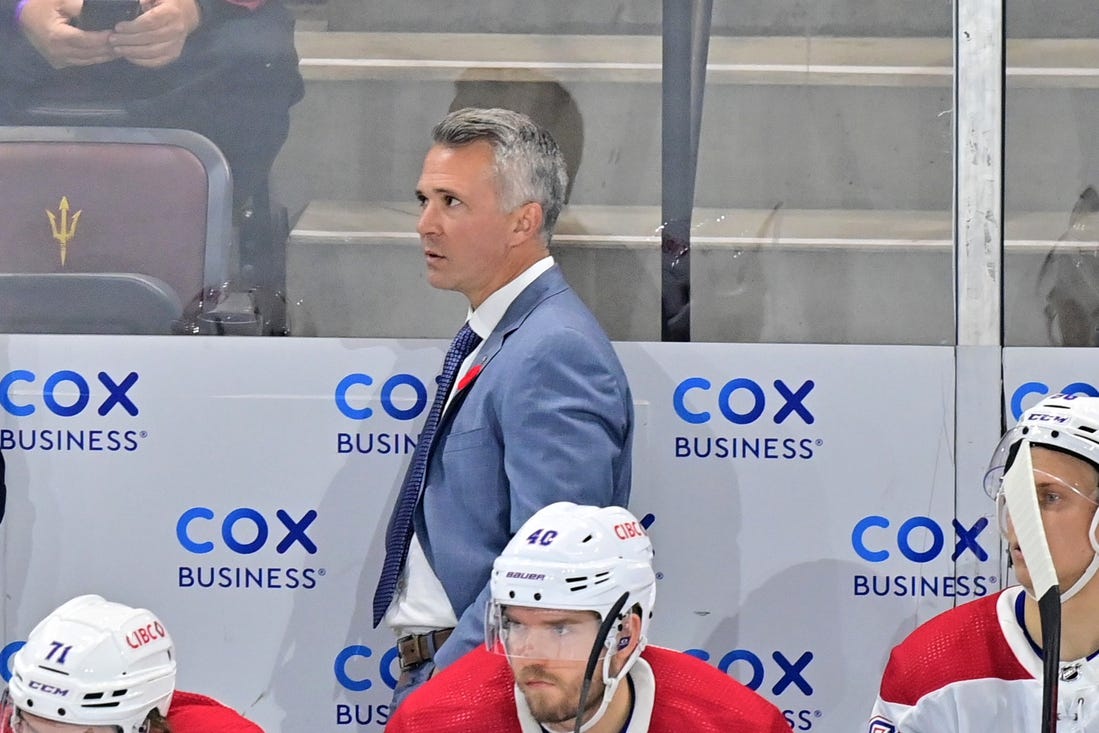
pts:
pixel 688 689
pixel 963 643
pixel 474 693
pixel 194 713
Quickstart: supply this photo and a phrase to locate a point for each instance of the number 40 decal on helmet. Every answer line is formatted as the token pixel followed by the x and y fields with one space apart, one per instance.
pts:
pixel 541 537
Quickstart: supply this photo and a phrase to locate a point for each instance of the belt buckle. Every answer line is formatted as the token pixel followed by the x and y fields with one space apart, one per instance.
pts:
pixel 414 649
pixel 408 651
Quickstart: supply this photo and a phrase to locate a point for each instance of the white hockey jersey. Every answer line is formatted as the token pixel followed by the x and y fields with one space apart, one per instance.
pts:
pixel 975 669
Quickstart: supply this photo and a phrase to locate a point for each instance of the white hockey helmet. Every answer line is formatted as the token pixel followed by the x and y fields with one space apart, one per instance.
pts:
pixel 94 662
pixel 1068 423
pixel 577 558
pixel 1065 422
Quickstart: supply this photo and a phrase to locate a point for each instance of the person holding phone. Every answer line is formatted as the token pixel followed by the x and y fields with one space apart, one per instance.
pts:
pixel 226 69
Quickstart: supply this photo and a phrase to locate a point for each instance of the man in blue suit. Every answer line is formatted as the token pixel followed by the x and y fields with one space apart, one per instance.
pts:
pixel 538 412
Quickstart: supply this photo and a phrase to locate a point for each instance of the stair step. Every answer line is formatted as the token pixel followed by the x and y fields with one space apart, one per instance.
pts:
pixel 881 61
pixel 824 276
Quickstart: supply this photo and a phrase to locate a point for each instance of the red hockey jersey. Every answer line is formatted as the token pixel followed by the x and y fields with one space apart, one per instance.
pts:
pixel 973 668
pixel 673 692
pixel 193 713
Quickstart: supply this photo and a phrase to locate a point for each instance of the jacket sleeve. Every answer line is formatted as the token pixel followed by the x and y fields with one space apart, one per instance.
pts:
pixel 468 634
pixel 569 417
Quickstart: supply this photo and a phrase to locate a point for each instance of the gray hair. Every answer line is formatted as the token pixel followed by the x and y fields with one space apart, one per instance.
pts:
pixel 529 166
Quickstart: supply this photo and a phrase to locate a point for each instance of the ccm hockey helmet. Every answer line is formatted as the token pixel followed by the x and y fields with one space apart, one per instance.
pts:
pixel 94 662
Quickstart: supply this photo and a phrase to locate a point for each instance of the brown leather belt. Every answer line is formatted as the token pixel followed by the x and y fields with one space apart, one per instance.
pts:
pixel 418 648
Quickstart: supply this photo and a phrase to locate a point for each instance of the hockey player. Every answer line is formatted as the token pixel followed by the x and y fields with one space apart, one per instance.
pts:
pixel 978 667
pixel 573 591
pixel 93 666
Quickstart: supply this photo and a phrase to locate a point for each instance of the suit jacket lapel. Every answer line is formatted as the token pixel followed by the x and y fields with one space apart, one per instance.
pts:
pixel 548 283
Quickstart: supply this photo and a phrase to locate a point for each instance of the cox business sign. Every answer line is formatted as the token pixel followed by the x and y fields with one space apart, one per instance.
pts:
pixel 106 399
pixel 1029 394
pixel 754 420
pixel 7 653
pixel 247 534
pixel 917 541
pixel 779 675
pixel 356 673
pixel 398 399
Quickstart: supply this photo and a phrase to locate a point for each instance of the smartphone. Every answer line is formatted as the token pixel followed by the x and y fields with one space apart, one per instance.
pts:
pixel 103 15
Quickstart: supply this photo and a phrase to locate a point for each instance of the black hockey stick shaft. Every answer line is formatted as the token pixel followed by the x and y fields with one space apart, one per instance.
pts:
pixel 1049 610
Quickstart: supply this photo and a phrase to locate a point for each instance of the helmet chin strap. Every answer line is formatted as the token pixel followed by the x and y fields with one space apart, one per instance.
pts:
pixel 1090 570
pixel 1089 573
pixel 610 683
pixel 1092 567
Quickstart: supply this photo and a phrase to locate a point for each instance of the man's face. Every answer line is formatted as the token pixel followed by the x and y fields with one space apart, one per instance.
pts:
pixel 465 234
pixel 27 723
pixel 544 649
pixel 1066 515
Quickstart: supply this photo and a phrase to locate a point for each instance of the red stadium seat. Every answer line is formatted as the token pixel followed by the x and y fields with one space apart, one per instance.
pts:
pixel 152 203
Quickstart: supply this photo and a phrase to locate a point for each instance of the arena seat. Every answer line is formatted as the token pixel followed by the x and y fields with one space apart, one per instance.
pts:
pixel 151 203
pixel 70 302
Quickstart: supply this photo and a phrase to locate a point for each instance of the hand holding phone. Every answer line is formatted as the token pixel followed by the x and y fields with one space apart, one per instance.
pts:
pixel 104 15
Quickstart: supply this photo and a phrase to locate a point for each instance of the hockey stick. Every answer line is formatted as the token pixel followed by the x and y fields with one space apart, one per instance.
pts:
pixel 1022 506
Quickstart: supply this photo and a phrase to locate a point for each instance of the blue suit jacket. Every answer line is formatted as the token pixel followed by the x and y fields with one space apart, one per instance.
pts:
pixel 548 417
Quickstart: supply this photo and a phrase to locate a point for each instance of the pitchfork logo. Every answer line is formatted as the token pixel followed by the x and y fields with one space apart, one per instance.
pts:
pixel 63 227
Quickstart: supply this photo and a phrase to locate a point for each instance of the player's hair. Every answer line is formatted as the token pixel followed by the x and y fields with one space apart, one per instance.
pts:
pixel 529 166
pixel 158 723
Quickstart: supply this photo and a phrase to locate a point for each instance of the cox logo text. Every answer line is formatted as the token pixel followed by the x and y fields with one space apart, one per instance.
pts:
pixel 789 672
pixel 257 530
pixel 742 401
pixel 362 684
pixel 7 653
pixel 353 385
pixel 870 534
pixel 1042 389
pixel 64 381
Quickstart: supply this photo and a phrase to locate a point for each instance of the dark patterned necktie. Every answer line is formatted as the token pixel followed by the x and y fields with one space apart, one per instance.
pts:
pixel 399 534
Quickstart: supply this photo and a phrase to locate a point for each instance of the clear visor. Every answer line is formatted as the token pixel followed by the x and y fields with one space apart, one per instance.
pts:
pixel 538 633
pixel 1054 495
pixel 1039 437
pixel 997 467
